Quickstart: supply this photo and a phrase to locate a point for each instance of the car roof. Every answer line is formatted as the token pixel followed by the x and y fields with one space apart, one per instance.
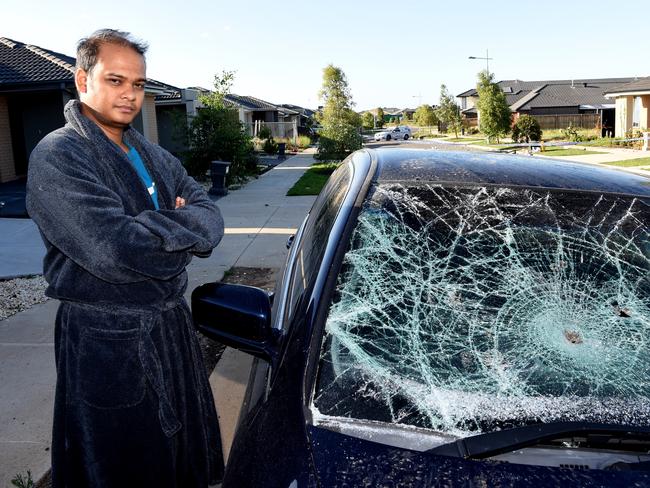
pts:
pixel 489 168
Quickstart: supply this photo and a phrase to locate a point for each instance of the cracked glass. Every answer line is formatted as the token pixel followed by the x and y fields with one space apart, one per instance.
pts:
pixel 467 310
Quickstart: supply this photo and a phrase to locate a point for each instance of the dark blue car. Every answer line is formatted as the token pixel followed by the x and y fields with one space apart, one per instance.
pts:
pixel 450 319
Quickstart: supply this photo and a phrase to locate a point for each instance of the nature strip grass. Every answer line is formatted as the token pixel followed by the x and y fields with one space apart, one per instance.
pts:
pixel 626 163
pixel 552 151
pixel 313 180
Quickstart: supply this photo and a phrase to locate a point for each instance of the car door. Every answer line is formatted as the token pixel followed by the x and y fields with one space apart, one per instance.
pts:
pixel 303 260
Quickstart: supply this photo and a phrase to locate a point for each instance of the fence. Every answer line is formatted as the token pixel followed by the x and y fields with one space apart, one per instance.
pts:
pixel 582 121
pixel 278 129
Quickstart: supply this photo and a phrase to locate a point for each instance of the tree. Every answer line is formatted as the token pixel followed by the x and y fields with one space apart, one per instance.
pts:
pixel 355 119
pixel 368 120
pixel 222 84
pixel 380 117
pixel 425 115
pixel 216 133
pixel 494 112
pixel 340 133
pixel 526 129
pixel 449 111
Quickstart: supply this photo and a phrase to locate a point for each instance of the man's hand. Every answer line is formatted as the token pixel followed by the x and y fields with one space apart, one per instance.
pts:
pixel 180 202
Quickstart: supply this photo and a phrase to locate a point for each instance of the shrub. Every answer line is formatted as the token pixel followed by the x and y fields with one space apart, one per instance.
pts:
pixel 368 120
pixel 303 142
pixel 634 134
pixel 292 146
pixel 270 146
pixel 257 144
pixel 526 129
pixel 337 141
pixel 571 134
pixel 264 132
pixel 217 134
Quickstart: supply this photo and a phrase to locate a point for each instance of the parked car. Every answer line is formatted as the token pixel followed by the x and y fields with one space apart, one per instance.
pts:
pixel 402 132
pixel 450 319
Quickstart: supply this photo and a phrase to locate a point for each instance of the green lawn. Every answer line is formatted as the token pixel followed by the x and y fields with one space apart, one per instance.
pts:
pixel 313 180
pixel 631 162
pixel 558 151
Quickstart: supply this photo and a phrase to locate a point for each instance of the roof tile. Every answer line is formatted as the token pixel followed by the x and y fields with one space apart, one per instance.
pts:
pixel 642 84
pixel 23 63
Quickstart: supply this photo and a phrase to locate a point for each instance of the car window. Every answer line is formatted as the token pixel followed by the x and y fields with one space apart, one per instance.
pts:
pixel 467 310
pixel 316 232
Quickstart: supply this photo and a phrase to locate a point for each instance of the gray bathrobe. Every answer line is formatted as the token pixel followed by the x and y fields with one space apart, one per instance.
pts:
pixel 133 405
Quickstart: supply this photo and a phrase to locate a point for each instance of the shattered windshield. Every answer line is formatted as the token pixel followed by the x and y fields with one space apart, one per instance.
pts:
pixel 467 310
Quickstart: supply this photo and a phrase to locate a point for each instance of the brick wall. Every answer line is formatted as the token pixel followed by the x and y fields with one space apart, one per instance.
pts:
pixel 149 123
pixel 7 167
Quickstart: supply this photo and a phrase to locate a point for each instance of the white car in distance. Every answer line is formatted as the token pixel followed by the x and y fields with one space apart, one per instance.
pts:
pixel 401 132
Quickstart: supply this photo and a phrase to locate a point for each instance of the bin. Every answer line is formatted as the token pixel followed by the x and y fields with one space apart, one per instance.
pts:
pixel 282 146
pixel 218 172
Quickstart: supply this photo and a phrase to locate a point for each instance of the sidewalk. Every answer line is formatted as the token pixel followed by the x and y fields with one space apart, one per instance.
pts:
pixel 259 219
pixel 21 248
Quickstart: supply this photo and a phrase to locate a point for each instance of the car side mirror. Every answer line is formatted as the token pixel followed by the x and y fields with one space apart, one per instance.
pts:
pixel 236 315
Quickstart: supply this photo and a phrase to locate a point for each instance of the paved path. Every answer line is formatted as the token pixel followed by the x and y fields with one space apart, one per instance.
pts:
pixel 608 155
pixel 21 248
pixel 259 219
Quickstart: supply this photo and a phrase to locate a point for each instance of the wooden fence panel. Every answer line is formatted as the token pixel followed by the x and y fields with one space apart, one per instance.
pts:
pixel 582 121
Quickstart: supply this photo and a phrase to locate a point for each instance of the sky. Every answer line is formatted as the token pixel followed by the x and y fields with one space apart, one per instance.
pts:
pixel 394 54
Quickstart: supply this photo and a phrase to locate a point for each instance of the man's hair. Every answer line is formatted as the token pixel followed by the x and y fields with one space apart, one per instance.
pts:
pixel 88 47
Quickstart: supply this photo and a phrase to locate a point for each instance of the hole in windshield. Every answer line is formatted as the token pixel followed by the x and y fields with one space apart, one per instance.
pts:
pixel 467 310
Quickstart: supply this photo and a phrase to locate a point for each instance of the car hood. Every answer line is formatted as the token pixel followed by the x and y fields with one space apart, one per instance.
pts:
pixel 342 460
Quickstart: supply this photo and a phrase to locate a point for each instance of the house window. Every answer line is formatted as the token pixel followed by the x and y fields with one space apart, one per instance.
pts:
pixel 636 117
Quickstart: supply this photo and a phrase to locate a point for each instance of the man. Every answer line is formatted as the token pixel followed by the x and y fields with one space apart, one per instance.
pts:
pixel 120 220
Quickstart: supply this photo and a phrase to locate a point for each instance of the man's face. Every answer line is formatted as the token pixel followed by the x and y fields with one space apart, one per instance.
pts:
pixel 113 91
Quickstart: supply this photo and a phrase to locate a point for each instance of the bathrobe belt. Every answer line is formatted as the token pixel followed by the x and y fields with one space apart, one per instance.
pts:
pixel 148 352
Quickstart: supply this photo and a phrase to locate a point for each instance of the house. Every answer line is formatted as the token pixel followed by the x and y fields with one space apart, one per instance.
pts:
pixel 181 104
pixel 175 108
pixel 406 114
pixel 556 104
pixel 254 113
pixel 306 118
pixel 632 105
pixel 389 113
pixel 35 85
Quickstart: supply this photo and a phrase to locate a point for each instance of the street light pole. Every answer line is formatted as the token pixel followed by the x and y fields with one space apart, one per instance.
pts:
pixel 487 60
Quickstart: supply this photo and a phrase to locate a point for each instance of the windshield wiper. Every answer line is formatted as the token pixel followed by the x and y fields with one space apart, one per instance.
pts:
pixel 493 443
